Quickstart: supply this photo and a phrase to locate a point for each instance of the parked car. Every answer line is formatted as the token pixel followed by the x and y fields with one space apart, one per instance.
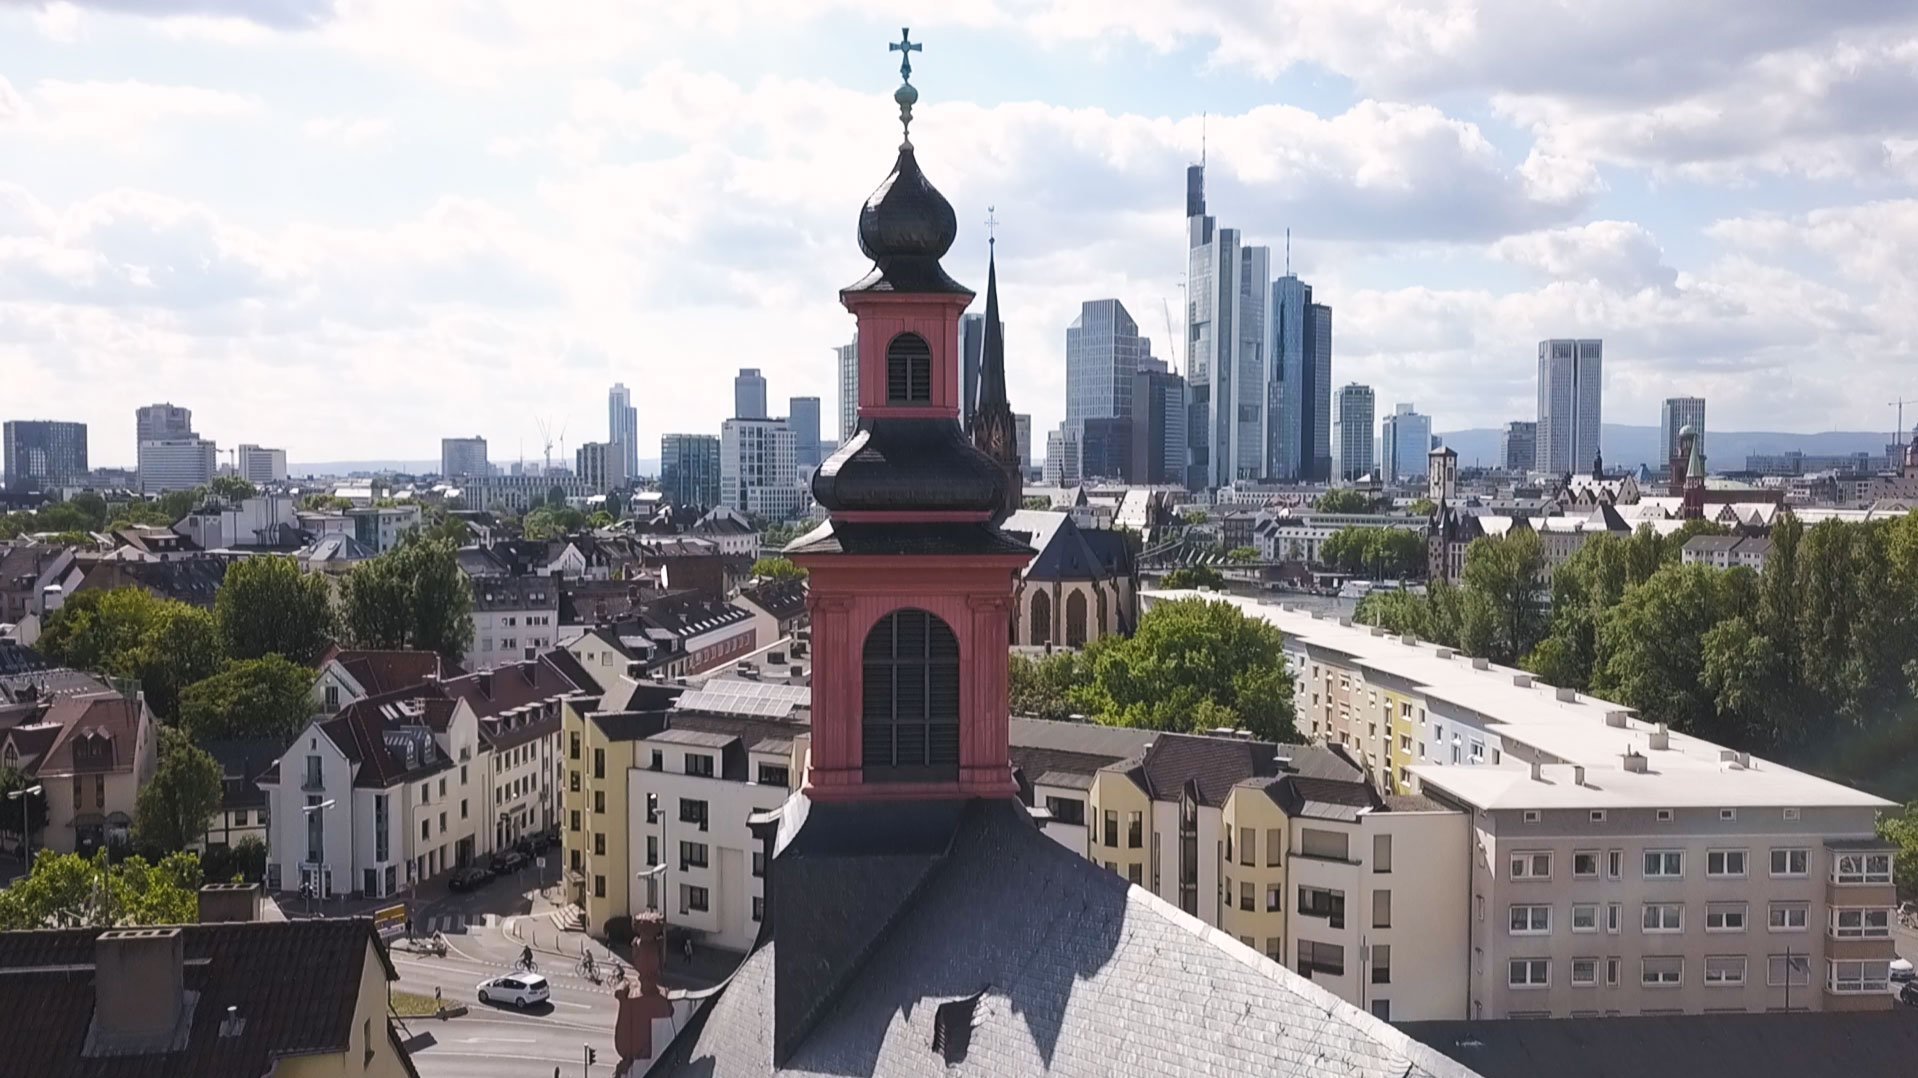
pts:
pixel 1901 971
pixel 522 990
pixel 470 877
pixel 1908 993
pixel 506 861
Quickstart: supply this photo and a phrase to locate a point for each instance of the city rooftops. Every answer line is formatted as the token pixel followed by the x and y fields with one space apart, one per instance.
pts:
pixel 1563 728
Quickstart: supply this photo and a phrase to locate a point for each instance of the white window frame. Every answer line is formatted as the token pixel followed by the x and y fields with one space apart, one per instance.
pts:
pixel 1588 908
pixel 1524 864
pixel 1594 855
pixel 1664 815
pixel 1531 914
pixel 1857 976
pixel 1663 929
pixel 1723 859
pixel 1772 921
pixel 1723 978
pixel 1645 972
pixel 1614 864
pixel 1614 917
pixel 1665 861
pixel 1590 980
pixel 1722 910
pixel 1803 857
pixel 1543 966
pixel 1863 929
pixel 1859 870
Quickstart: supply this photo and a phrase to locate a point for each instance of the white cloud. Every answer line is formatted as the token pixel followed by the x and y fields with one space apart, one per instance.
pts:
pixel 349 132
pixel 1621 254
pixel 115 114
pixel 279 14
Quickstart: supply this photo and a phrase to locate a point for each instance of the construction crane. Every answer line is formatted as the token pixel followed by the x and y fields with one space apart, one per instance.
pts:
pixel 546 439
pixel 1171 341
pixel 1900 405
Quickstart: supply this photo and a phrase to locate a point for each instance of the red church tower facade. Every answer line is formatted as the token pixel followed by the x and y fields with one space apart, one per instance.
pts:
pixel 911 580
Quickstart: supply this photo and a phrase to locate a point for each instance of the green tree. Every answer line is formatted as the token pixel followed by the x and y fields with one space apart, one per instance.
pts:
pixel 1193 576
pixel 130 633
pixel 1902 830
pixel 1424 507
pixel 267 606
pixel 178 503
pixel 93 506
pixel 1242 554
pixel 1042 688
pixel 552 522
pixel 600 519
pixel 1190 516
pixel 68 890
pixel 1653 653
pixel 1193 664
pixel 777 570
pixel 172 809
pixel 138 515
pixel 1503 616
pixel 232 489
pixel 556 496
pixel 1032 502
pixel 1346 500
pixel 325 503
pixel 265 697
pixel 413 596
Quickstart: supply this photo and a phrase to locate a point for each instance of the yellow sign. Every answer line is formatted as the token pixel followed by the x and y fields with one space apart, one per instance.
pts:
pixel 390 921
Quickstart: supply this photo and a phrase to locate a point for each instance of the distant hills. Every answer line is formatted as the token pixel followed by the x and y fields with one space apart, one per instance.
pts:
pixel 1725 449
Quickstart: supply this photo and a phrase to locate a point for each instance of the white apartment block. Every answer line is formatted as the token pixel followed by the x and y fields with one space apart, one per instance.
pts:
pixel 176 464
pixel 758 469
pixel 515 618
pixel 1616 867
pixel 601 466
pixel 260 466
pixel 379 528
pixel 1299 534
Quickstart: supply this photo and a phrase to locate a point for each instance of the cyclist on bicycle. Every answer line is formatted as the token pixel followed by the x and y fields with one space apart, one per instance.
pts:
pixel 586 963
pixel 526 957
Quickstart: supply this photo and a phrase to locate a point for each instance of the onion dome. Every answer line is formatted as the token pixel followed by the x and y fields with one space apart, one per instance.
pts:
pixel 905 227
pixel 909 465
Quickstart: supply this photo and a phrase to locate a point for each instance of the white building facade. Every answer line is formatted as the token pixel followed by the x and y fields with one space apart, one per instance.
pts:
pixel 259 465
pixel 176 464
pixel 758 469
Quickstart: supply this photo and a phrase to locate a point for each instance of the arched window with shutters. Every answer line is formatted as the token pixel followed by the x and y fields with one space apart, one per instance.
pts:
pixel 1076 619
pixel 1041 633
pixel 910 715
pixel 908 370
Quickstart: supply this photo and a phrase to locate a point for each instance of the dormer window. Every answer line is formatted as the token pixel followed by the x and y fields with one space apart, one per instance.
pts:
pixel 908 370
pixel 910 713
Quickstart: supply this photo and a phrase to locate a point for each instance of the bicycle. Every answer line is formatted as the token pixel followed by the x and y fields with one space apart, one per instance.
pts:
pixel 525 965
pixel 587 969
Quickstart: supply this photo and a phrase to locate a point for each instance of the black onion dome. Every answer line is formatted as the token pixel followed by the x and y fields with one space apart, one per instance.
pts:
pixel 905 228
pixel 909 465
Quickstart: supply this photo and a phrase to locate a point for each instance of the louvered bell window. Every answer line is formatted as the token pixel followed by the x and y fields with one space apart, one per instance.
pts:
pixel 910 718
pixel 908 370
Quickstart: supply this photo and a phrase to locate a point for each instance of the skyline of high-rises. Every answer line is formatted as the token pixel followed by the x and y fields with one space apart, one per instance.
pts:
pixel 1352 426
pixel 1405 438
pixel 758 473
pixel 43 454
pixel 1571 377
pixel 622 426
pixel 1674 415
pixel 1302 351
pixel 749 394
pixel 689 469
pixel 1158 441
pixel 1518 445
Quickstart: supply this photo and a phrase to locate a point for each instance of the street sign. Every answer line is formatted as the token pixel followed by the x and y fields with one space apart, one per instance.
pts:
pixel 390 921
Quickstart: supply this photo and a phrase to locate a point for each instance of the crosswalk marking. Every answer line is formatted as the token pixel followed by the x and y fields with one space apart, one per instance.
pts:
pixel 449 923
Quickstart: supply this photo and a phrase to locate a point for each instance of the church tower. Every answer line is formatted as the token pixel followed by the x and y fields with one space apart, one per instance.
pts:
pixel 1693 506
pixel 994 430
pixel 911 579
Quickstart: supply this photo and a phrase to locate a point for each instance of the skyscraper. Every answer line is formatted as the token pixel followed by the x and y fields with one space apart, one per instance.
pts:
pixel 44 454
pixel 1226 300
pixel 1352 429
pixel 1103 349
pixel 1301 344
pixel 1158 428
pixel 1677 414
pixel 972 341
pixel 1570 386
pixel 1405 439
pixel 601 466
pixel 848 357
pixel 802 414
pixel 1023 423
pixel 749 394
pixel 463 456
pixel 622 426
pixel 689 470
pixel 757 474
pixel 1518 446
pixel 259 465
pixel 157 421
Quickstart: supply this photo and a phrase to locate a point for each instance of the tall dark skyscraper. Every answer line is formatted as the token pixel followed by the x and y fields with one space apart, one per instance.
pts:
pixel 749 394
pixel 1158 429
pixel 689 469
pixel 1226 344
pixel 42 454
pixel 1570 404
pixel 1302 352
pixel 802 415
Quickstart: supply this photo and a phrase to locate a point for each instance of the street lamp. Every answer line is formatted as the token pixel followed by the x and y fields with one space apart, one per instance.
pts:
pixel 26 824
pixel 322 808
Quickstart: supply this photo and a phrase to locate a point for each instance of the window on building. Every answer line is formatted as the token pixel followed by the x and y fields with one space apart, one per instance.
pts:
pixel 908 370
pixel 1381 964
pixel 1614 864
pixel 1848 976
pixel 1533 865
pixel 1664 917
pixel 652 850
pixel 1725 917
pixel 1664 864
pixel 1611 971
pixel 1134 873
pixel 1662 971
pixel 1585 864
pixel 1135 830
pixel 1788 969
pixel 599 844
pixel 1272 897
pixel 1724 971
pixel 1382 854
pixel 759 909
pixel 1528 973
pixel 693 899
pixel 910 698
pixel 1790 862
pixel 1326 845
pixel 1246 899
pixel 657 762
pixel 1531 920
pixel 1584 972
pixel 774 775
pixel 572 745
pixel 1788 916
pixel 1725 864
pixel 599 801
pixel 572 822
pixel 699 764
pixel 1326 958
pixel 1321 902
pixel 599 887
pixel 1860 923
pixel 1855 868
pixel 1585 917
pixel 692 855
pixel 693 811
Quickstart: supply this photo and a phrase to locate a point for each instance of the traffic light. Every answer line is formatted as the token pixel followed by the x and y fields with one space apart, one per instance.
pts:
pixel 592 1055
pixel 306 890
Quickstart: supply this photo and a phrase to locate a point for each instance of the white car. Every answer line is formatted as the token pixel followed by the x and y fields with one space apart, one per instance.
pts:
pixel 522 990
pixel 1901 971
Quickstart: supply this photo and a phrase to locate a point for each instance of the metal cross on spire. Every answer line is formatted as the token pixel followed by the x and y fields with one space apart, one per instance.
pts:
pixel 992 223
pixel 905 47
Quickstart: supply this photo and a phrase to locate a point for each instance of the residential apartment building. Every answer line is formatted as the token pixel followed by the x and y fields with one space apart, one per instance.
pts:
pixel 601 466
pixel 1299 534
pixel 757 470
pixel 259 465
pixel 1570 404
pixel 176 464
pixel 89 746
pixel 464 457
pixel 515 618
pixel 1616 866
pixel 689 469
pixel 43 454
pixel 1726 551
pixel 521 493
pixel 1352 433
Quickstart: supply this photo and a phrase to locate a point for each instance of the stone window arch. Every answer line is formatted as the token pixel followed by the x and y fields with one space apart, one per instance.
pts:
pixel 1076 619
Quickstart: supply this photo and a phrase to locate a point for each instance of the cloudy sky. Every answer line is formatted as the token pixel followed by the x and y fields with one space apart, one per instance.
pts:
pixel 350 227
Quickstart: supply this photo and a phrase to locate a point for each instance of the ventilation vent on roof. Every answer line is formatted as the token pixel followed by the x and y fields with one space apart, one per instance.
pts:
pixel 1568 694
pixel 1578 774
pixel 1445 653
pixel 1635 762
pixel 1378 630
pixel 1661 737
pixel 1481 664
pixel 1409 640
pixel 1347 622
pixel 1523 681
pixel 232 1025
pixel 952 1027
pixel 1618 719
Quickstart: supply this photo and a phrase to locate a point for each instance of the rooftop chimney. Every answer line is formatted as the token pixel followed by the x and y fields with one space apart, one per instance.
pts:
pixel 140 999
pixel 1538 771
pixel 1618 719
pixel 1661 737
pixel 1481 664
pixel 1568 694
pixel 1635 762
pixel 1445 653
pixel 1378 630
pixel 1523 681
pixel 1578 774
pixel 229 902
pixel 1409 640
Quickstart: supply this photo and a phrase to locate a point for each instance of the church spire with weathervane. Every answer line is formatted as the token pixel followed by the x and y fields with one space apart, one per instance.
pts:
pixel 995 431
